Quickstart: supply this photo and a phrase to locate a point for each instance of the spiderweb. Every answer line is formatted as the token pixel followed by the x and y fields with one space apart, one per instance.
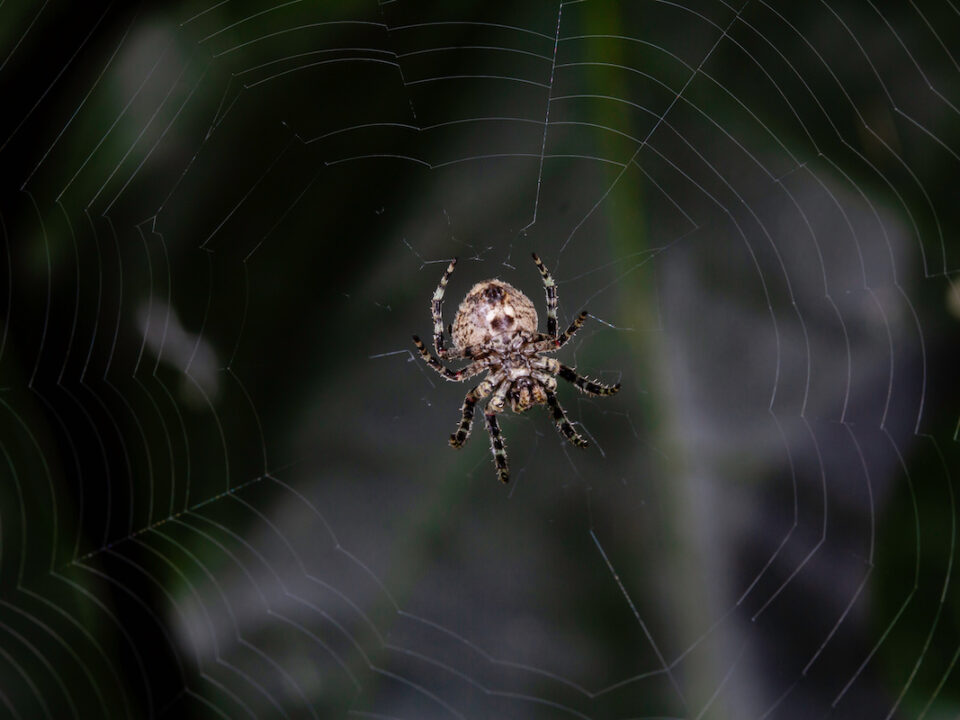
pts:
pixel 226 489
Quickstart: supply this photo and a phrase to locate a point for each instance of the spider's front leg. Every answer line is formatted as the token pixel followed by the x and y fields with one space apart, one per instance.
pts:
pixel 458 438
pixel 563 425
pixel 496 405
pixel 496 445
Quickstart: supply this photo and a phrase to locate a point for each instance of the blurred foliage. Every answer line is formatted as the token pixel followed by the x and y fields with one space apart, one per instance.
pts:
pixel 223 222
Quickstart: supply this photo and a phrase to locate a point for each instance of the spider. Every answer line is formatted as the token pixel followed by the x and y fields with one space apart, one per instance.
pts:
pixel 496 329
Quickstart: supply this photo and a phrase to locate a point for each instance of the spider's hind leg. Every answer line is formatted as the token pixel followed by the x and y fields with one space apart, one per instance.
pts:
pixel 545 343
pixel 550 287
pixel 574 326
pixel 436 307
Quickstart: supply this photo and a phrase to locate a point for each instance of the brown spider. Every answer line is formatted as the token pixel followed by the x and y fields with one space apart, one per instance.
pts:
pixel 496 328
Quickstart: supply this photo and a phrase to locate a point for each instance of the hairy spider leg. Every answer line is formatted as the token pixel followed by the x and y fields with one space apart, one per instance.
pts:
pixel 496 405
pixel 499 400
pixel 548 381
pixel 436 307
pixel 585 384
pixel 563 425
pixel 547 343
pixel 486 387
pixel 550 287
pixel 496 446
pixel 551 365
pixel 452 375
pixel 574 326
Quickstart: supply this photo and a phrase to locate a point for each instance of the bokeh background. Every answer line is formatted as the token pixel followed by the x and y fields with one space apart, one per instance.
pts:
pixel 225 484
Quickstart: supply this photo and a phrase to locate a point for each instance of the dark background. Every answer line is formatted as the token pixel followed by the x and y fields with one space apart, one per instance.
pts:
pixel 225 486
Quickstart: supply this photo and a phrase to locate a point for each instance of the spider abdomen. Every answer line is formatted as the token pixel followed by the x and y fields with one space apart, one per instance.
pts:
pixel 493 313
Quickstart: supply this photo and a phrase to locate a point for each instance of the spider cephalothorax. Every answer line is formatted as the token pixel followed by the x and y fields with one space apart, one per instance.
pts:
pixel 496 328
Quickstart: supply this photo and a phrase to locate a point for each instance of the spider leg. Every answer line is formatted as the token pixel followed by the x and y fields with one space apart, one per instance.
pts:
pixel 499 400
pixel 547 343
pixel 551 365
pixel 548 381
pixel 496 445
pixel 436 306
pixel 574 326
pixel 453 375
pixel 458 438
pixel 550 287
pixel 585 384
pixel 563 425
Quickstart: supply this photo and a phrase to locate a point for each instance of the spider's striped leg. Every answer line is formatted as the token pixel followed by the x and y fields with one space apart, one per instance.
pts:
pixel 550 365
pixel 551 289
pixel 436 306
pixel 499 400
pixel 496 445
pixel 574 326
pixel 458 438
pixel 549 382
pixel 453 375
pixel 585 384
pixel 546 343
pixel 563 425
